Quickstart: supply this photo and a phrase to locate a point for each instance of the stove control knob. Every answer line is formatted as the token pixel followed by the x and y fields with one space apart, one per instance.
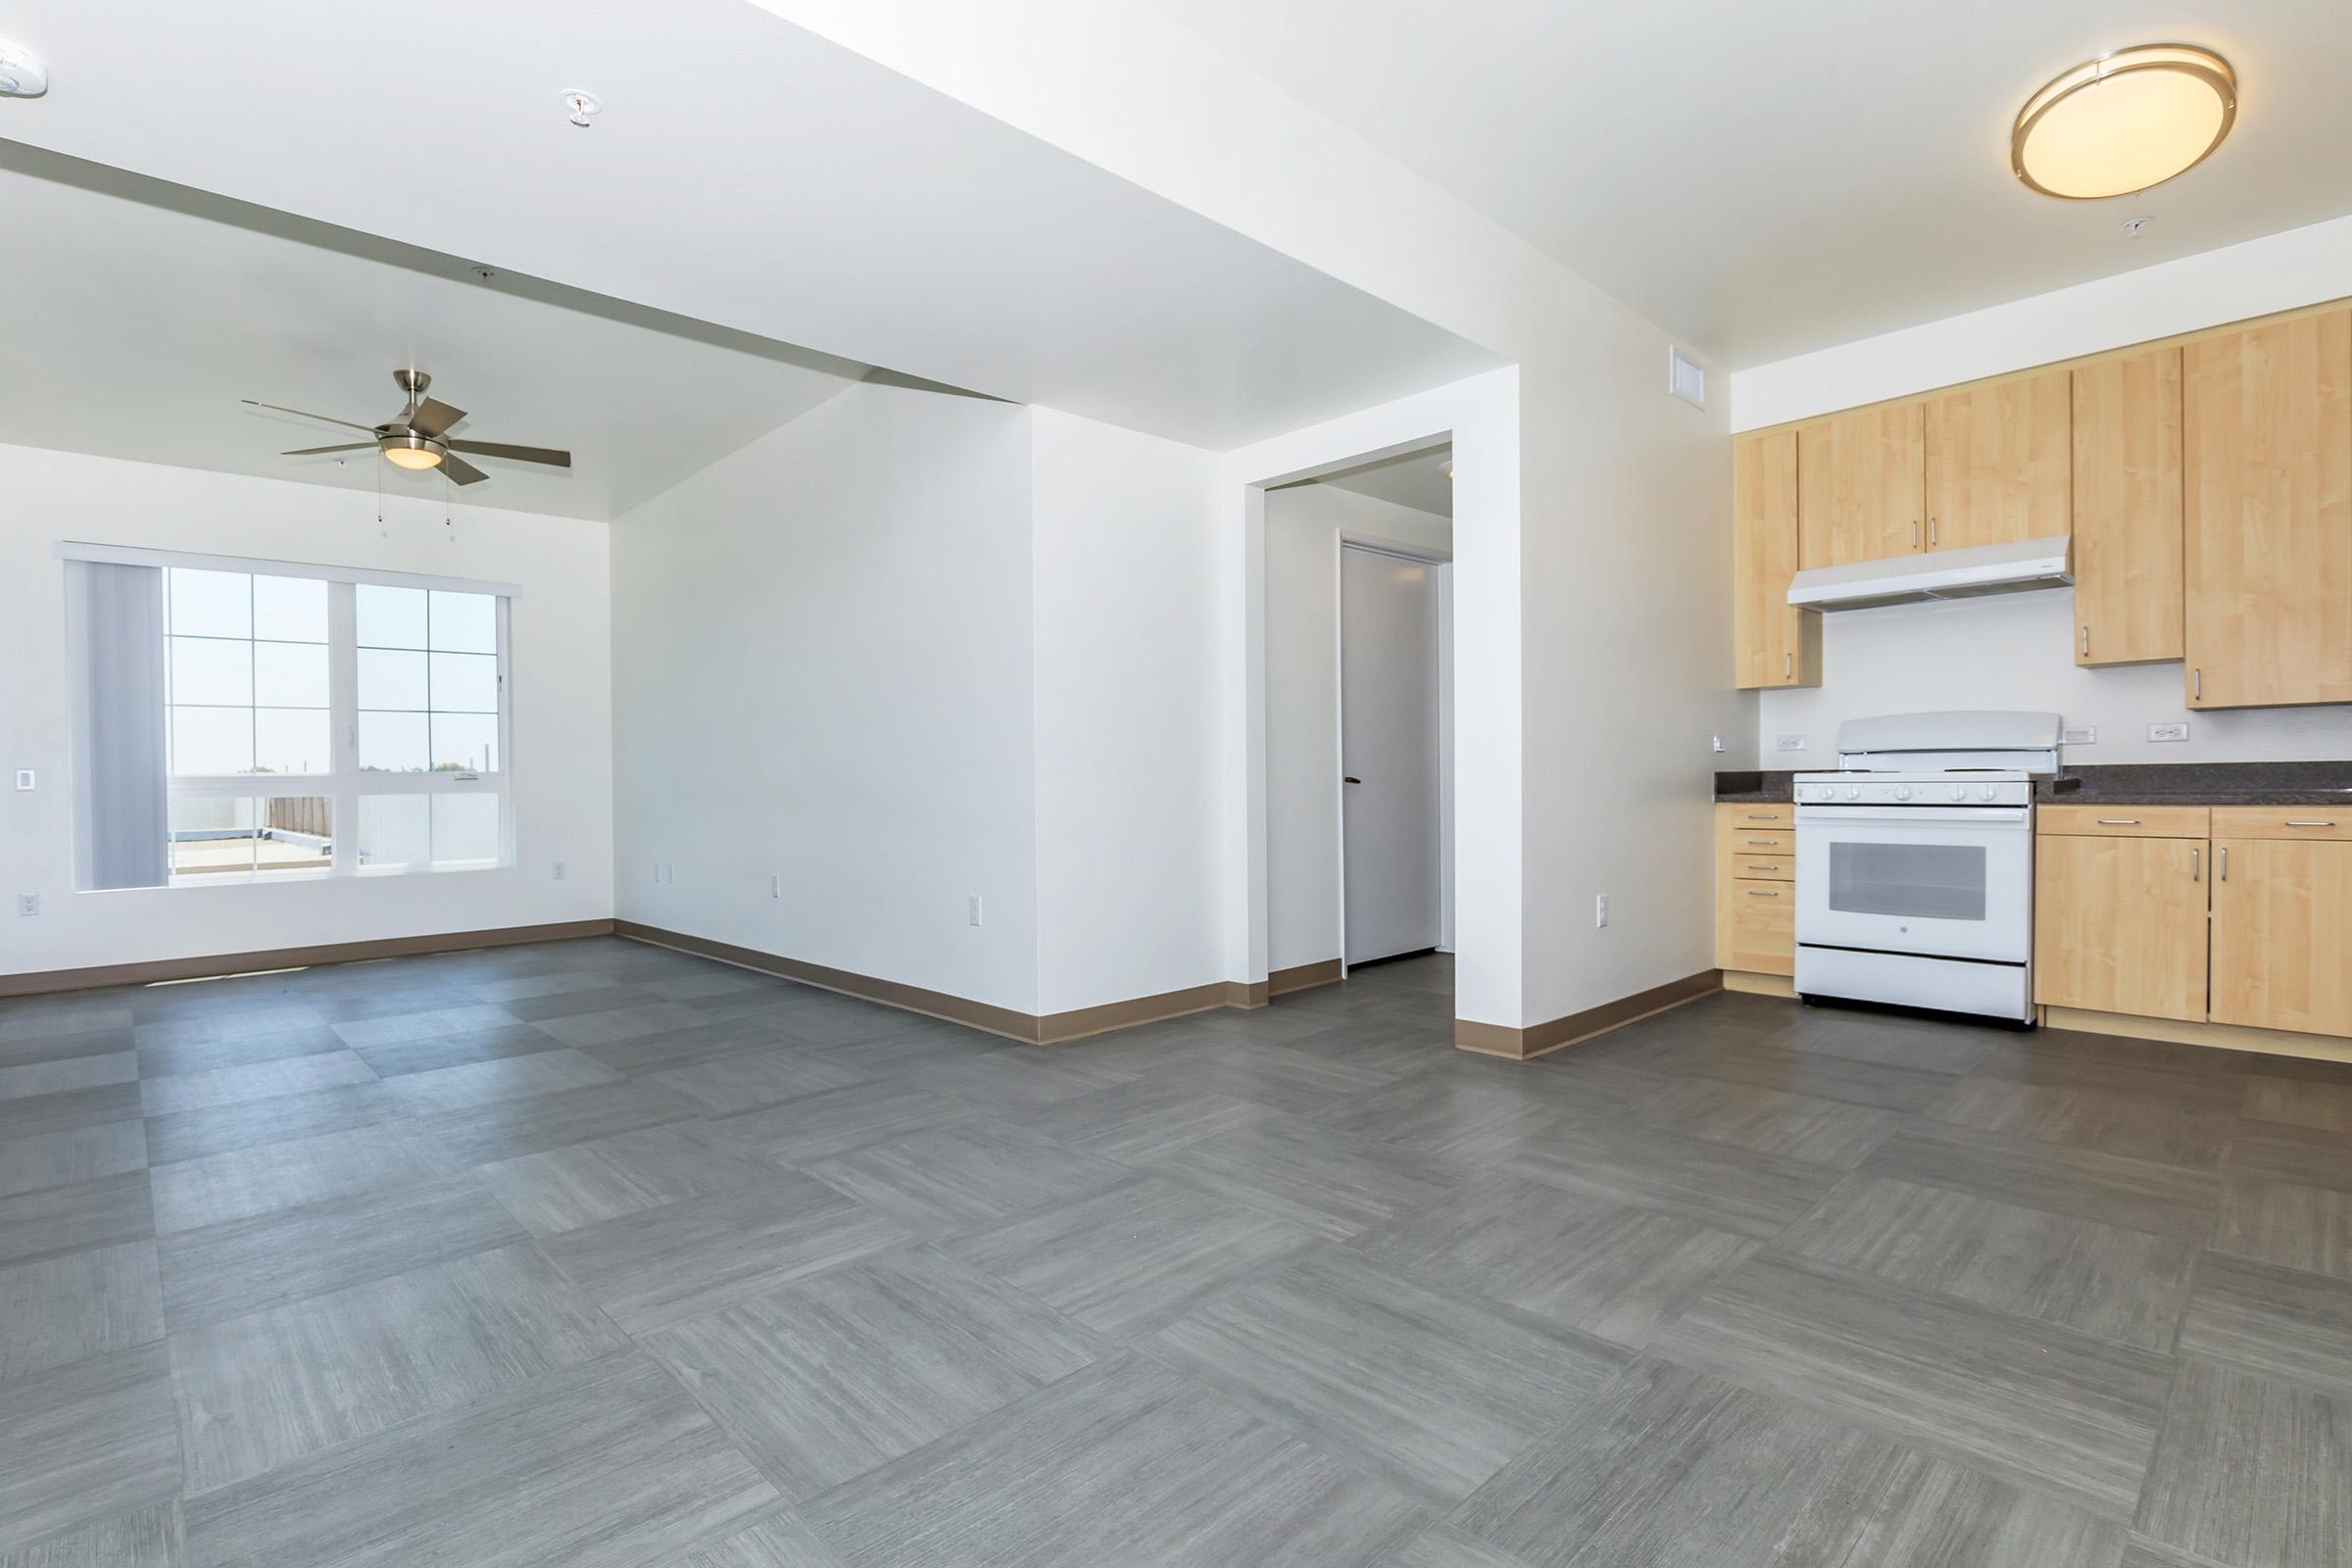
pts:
pixel 1853 792
pixel 1959 792
pixel 1902 792
pixel 1986 792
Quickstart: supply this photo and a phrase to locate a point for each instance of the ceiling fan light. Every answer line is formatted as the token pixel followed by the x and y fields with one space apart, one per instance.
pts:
pixel 2124 122
pixel 411 450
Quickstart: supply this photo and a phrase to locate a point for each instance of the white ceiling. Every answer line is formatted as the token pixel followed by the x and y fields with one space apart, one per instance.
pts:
pixel 1767 180
pixel 745 173
pixel 1416 480
pixel 160 310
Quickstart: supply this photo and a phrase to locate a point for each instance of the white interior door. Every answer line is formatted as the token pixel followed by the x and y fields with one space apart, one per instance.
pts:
pixel 1389 749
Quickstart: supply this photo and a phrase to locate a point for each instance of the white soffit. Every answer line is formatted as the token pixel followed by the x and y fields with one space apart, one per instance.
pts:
pixel 743 173
pixel 1768 179
pixel 161 310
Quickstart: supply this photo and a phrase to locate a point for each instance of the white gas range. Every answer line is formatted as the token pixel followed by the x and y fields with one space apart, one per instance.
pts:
pixel 1915 862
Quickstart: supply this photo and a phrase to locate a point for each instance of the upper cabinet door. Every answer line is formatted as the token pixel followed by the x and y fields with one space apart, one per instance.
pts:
pixel 1997 462
pixel 1773 644
pixel 2127 510
pixel 2268 522
pixel 1858 490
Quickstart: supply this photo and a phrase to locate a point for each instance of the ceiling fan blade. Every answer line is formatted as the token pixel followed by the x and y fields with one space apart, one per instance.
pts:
pixel 312 452
pixel 499 449
pixel 326 419
pixel 459 470
pixel 434 417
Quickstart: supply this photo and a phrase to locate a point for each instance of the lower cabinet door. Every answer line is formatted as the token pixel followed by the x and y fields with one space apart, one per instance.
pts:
pixel 2282 935
pixel 2119 924
pixel 1755 927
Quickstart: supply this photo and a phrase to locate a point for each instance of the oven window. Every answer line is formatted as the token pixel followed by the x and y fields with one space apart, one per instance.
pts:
pixel 1930 881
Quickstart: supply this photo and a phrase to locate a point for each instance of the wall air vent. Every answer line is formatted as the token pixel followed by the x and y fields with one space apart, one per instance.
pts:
pixel 1685 379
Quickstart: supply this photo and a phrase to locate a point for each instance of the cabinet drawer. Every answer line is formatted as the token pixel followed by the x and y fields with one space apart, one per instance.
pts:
pixel 2282 821
pixel 1736 840
pixel 1755 927
pixel 1740 815
pixel 1738 862
pixel 2125 821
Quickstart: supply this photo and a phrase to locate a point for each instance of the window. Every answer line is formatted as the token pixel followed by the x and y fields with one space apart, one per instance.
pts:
pixel 244 721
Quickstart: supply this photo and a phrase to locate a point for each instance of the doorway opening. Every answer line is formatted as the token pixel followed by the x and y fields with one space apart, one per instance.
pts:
pixel 1360 774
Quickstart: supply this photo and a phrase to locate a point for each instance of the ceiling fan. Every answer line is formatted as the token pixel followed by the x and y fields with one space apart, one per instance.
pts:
pixel 418 437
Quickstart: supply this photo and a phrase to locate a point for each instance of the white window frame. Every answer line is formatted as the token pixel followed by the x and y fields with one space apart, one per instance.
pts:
pixel 344 783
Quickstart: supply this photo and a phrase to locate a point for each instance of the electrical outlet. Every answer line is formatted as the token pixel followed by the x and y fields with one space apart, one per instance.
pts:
pixel 29 904
pixel 975 915
pixel 2080 734
pixel 558 871
pixel 1718 740
pixel 1601 911
pixel 1792 742
pixel 2168 732
pixel 24 778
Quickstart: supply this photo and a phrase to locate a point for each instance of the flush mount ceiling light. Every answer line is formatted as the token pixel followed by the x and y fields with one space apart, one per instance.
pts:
pixel 2124 122
pixel 21 73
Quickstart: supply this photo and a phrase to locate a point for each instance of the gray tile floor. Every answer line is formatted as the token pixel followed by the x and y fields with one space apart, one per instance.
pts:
pixel 591 1254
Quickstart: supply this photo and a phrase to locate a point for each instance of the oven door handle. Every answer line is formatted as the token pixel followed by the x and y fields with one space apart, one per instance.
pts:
pixel 1916 816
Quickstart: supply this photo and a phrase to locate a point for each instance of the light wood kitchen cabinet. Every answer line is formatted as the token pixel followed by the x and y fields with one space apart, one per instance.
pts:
pixel 2268 514
pixel 1774 644
pixel 2282 934
pixel 1859 486
pixel 1998 462
pixel 2127 510
pixel 2119 923
pixel 1755 898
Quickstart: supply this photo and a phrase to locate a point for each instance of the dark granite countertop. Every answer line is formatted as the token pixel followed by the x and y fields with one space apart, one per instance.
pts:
pixel 2132 784
pixel 2202 784
pixel 1762 787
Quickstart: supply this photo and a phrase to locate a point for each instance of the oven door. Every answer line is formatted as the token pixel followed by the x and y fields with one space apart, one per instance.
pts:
pixel 1944 882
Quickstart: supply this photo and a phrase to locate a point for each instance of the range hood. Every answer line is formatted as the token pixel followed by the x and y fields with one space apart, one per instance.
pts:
pixel 1970 573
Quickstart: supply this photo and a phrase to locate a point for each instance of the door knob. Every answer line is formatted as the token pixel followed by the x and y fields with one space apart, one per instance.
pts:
pixel 1352 779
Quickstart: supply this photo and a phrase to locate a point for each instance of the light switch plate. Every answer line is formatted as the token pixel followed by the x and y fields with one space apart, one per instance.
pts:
pixel 24 776
pixel 2168 732
pixel 2080 734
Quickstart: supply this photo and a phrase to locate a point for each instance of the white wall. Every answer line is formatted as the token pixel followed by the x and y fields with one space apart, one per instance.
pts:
pixel 1304 525
pixel 2013 652
pixel 822 662
pixel 559 683
pixel 2276 272
pixel 1129 880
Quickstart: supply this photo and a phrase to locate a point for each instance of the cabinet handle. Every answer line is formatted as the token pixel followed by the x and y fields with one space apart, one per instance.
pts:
pixel 2196 685
pixel 1930 534
pixel 1759 816
pixel 1915 534
pixel 2192 865
pixel 1763 843
pixel 2119 821
pixel 1753 866
pixel 2224 862
pixel 2087 642
pixel 1787 666
pixel 2310 824
pixel 1759 893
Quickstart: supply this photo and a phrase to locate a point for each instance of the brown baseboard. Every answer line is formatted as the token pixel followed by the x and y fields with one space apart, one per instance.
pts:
pixel 1303 977
pixel 211 965
pixel 1524 1045
pixel 1026 1027
pixel 995 1020
pixel 1058 1028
